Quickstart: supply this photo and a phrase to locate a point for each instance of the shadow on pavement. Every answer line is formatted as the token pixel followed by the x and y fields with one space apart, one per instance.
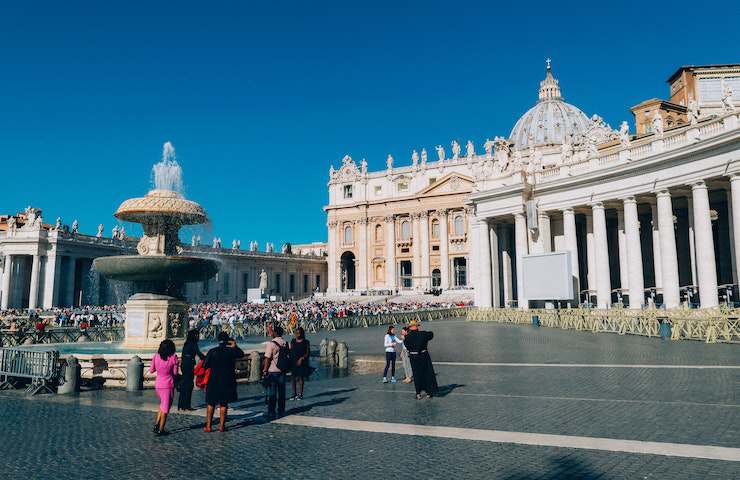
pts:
pixel 444 390
pixel 562 468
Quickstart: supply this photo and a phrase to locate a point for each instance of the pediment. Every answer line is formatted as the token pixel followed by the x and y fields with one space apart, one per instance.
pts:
pixel 449 184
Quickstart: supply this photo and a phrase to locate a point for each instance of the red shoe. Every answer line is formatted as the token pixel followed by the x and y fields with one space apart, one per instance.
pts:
pixel 207 429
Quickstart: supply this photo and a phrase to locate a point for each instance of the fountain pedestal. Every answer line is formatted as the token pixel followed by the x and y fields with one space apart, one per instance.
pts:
pixel 150 318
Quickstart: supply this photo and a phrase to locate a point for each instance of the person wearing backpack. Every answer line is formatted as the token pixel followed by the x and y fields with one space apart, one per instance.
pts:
pixel 276 364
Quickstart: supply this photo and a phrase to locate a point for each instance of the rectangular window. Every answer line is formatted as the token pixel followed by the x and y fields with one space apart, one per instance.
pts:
pixel 378 189
pixel 245 282
pixel 348 191
pixel 404 250
pixel 435 248
pixel 227 279
pixel 291 283
pixel 318 282
pixel 305 284
pixel 277 282
pixel 432 181
pixel 403 186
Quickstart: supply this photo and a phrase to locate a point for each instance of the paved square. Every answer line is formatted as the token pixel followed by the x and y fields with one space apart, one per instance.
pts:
pixel 516 403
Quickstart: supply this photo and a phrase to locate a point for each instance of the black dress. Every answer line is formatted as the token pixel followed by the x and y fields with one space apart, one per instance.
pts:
pixel 421 363
pixel 300 350
pixel 189 353
pixel 221 388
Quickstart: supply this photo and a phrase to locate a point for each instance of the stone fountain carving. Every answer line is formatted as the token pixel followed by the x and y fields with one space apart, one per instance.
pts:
pixel 159 271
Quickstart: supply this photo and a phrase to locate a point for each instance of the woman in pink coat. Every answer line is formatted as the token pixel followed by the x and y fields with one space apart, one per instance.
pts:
pixel 165 365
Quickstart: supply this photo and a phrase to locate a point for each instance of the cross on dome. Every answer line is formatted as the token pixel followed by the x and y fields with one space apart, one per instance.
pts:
pixel 549 88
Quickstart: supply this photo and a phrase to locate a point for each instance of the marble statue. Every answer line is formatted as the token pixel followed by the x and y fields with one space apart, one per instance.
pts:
pixel 693 111
pixel 469 149
pixel 455 149
pixel 488 147
pixel 233 244
pixel 389 162
pixel 263 281
pixel 11 226
pixel 593 150
pixel 270 247
pixel 122 233
pixel 284 248
pixel 363 166
pixel 624 134
pixel 238 244
pixel 100 231
pixel 414 159
pixel 566 150
pixel 728 105
pixel 658 124
pixel 423 158
pixel 440 153
pixel 58 224
pixel 114 233
pixel 192 241
pixel 332 172
pixel 75 226
pixel 502 153
pixel 215 242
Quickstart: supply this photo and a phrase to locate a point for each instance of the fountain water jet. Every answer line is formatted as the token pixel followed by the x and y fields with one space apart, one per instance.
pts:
pixel 159 269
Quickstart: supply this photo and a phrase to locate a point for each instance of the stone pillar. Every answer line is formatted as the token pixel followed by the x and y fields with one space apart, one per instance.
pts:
pixel 657 262
pixel 603 278
pixel 331 259
pixel 705 267
pixel 362 254
pixel 544 236
pixel 494 249
pixel 424 246
pixel 390 252
pixel 520 234
pixel 590 255
pixel 416 250
pixel 33 296
pixel 471 266
pixel 731 225
pixel 571 245
pixel 669 262
pixel 634 253
pixel 623 262
pixel 692 242
pixel 735 194
pixel 482 246
pixel 444 251
pixel 506 267
pixel 8 268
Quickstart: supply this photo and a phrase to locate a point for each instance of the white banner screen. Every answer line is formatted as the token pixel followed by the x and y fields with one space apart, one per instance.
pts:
pixel 547 276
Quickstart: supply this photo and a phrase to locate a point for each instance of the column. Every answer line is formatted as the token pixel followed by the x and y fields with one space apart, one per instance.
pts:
pixel 731 224
pixel 520 234
pixel 362 251
pixel 51 280
pixel 481 249
pixel 668 260
pixel 705 267
pixel 331 250
pixel 493 246
pixel 571 245
pixel 8 267
pixel 657 262
pixel 622 244
pixel 692 242
pixel 735 194
pixel 33 296
pixel 390 252
pixel 69 281
pixel 416 250
pixel 634 253
pixel 601 247
pixel 424 230
pixel 471 266
pixel 590 255
pixel 506 267
pixel 444 252
pixel 544 237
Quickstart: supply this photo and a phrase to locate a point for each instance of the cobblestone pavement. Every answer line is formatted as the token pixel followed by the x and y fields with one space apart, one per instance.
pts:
pixel 106 434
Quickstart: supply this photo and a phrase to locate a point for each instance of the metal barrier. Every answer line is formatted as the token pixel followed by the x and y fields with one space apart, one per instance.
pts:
pixel 41 367
pixel 60 335
pixel 710 326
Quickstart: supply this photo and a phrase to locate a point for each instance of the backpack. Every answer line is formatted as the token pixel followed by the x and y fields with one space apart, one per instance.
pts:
pixel 283 361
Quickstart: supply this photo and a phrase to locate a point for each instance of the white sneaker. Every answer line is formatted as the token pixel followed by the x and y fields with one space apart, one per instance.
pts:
pixel 385 380
pixel 393 379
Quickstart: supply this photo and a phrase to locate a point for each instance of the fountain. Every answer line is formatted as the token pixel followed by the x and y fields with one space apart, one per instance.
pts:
pixel 159 271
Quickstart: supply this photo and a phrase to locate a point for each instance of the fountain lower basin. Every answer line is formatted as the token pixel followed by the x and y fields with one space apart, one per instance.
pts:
pixel 156 268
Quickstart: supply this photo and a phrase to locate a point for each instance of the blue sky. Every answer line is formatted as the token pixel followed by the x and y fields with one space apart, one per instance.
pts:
pixel 260 97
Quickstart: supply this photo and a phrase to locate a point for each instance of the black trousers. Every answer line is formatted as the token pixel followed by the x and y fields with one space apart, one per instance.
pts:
pixel 186 385
pixel 276 393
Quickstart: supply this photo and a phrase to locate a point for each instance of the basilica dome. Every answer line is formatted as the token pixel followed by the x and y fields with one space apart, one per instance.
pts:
pixel 551 121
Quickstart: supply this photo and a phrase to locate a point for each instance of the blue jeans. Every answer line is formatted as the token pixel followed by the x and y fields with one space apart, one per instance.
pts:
pixel 276 393
pixel 390 361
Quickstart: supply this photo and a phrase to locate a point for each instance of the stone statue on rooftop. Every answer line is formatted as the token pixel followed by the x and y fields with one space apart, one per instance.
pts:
pixel 657 124
pixel 233 245
pixel 389 162
pixel 75 226
pixel 363 166
pixel 624 134
pixel 488 147
pixel 423 158
pixel 502 153
pixel 414 159
pixel 455 150
pixel 114 232
pixel 331 171
pixel 440 153
pixel 728 105
pixel 58 224
pixel 100 231
pixel 469 150
pixel 11 226
pixel 693 111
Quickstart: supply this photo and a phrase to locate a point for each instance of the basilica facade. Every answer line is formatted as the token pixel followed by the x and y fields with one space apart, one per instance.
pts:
pixel 647 215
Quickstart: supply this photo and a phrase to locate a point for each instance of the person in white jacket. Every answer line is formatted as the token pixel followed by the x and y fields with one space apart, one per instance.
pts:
pixel 389 342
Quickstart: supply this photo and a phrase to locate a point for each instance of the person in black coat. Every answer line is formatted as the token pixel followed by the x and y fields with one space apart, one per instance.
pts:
pixel 425 380
pixel 190 352
pixel 221 387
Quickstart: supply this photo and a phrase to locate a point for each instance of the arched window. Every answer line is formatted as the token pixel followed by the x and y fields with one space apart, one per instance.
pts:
pixel 348 235
pixel 435 229
pixel 405 230
pixel 378 233
pixel 459 225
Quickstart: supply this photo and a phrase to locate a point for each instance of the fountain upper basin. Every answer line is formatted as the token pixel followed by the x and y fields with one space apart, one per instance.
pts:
pixel 156 268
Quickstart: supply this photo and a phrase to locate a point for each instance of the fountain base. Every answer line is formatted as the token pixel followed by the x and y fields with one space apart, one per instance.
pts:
pixel 150 318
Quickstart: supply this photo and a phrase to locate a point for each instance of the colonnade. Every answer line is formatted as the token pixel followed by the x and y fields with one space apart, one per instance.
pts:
pixel 628 247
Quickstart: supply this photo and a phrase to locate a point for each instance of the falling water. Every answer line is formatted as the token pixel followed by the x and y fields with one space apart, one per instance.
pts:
pixel 167 173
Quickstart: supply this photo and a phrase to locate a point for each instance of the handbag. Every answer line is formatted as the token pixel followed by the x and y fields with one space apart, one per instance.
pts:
pixel 201 375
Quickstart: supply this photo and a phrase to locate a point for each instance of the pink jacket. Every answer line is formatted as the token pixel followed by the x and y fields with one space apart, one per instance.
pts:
pixel 165 370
